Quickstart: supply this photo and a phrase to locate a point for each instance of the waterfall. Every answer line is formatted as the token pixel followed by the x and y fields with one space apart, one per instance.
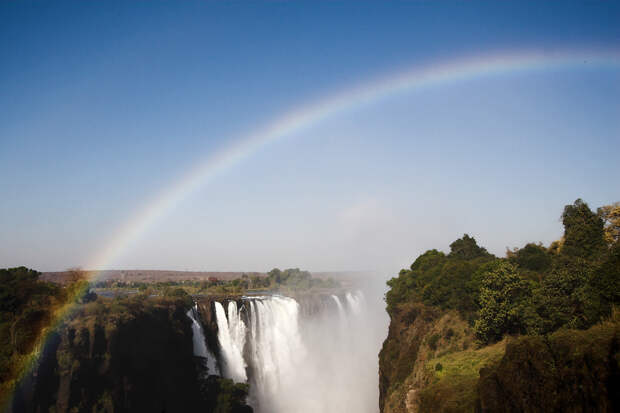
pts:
pixel 276 348
pixel 200 345
pixel 319 362
pixel 355 302
pixel 341 311
pixel 231 342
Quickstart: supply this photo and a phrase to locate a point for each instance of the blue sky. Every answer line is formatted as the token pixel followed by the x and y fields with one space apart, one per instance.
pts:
pixel 106 104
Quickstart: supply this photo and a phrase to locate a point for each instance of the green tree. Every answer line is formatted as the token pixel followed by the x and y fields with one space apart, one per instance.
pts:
pixel 583 231
pixel 563 295
pixel 503 298
pixel 275 276
pixel 532 257
pixel 466 248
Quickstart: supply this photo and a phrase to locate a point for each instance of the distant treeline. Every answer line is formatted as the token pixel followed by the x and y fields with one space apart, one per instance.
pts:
pixel 573 283
pixel 292 279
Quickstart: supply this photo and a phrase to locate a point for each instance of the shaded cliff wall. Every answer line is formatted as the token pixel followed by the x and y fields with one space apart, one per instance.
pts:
pixel 129 355
pixel 569 371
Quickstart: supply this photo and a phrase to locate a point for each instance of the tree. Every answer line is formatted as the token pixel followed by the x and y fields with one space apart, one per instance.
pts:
pixel 610 214
pixel 275 275
pixel 503 298
pixel 604 286
pixel 532 257
pixel 563 294
pixel 466 248
pixel 583 231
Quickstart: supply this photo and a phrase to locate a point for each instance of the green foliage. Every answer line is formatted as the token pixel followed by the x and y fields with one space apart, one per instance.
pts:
pixel 179 293
pixel 583 231
pixel 604 285
pixel 573 284
pixel 231 397
pixel 447 281
pixel 545 295
pixel 27 306
pixel 292 279
pixel 532 257
pixel 567 371
pixel 466 248
pixel 503 299
pixel 455 376
pixel 295 279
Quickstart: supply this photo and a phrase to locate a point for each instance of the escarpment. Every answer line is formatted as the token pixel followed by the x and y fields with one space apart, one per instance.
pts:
pixel 536 331
pixel 126 355
pixel 569 371
pixel 430 362
pixel 418 337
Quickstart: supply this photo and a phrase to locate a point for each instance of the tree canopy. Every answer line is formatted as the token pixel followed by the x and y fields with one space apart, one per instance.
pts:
pixel 573 283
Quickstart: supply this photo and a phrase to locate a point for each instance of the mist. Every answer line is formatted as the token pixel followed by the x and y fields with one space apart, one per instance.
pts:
pixel 309 353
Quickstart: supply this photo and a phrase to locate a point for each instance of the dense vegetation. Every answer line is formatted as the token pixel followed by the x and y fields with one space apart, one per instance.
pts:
pixel 27 307
pixel 533 290
pixel 536 330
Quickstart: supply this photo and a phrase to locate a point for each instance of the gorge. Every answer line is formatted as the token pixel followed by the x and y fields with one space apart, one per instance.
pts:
pixel 303 352
pixel 308 353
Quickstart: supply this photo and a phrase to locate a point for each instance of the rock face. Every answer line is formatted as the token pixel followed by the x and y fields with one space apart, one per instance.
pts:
pixel 405 352
pixel 571 371
pixel 128 359
pixel 430 363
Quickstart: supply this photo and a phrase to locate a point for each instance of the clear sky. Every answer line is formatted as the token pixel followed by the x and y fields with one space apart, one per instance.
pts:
pixel 103 105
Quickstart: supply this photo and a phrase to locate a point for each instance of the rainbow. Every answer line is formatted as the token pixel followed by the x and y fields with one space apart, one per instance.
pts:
pixel 306 116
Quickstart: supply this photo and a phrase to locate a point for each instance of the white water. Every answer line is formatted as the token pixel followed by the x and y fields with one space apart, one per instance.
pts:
pixel 321 363
pixel 232 350
pixel 341 311
pixel 199 342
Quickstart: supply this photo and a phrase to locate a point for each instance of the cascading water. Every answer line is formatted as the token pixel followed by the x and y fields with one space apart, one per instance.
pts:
pixel 276 349
pixel 231 342
pixel 341 311
pixel 200 346
pixel 355 302
pixel 326 362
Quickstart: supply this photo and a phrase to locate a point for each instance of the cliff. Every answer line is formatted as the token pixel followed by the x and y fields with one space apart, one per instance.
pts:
pixel 408 362
pixel 133 354
pixel 536 331
pixel 569 371
pixel 431 363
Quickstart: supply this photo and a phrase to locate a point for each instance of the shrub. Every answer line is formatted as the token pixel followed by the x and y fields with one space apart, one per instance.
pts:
pixel 432 341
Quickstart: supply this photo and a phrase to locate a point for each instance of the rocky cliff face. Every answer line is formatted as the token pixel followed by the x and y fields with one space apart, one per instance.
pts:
pixel 417 333
pixel 430 363
pixel 570 371
pixel 134 356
